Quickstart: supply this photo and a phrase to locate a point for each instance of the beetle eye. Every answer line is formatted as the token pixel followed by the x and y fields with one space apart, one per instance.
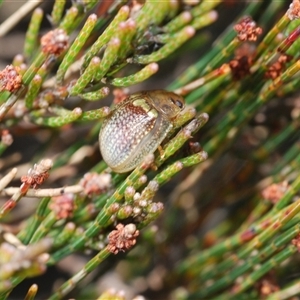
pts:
pixel 177 103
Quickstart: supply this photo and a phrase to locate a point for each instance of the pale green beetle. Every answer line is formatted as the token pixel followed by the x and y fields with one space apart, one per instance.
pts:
pixel 136 127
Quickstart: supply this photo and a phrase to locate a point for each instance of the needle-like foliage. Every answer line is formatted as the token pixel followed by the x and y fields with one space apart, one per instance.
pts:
pixel 214 213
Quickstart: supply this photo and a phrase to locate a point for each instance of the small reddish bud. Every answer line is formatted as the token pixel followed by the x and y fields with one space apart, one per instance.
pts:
pixel 275 191
pixel 54 42
pixel 294 10
pixel 123 238
pixel 63 206
pixel 247 30
pixel 10 79
pixel 95 184
pixel 37 175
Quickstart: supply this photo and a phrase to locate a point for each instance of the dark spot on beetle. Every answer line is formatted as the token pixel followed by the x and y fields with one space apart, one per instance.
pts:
pixel 177 103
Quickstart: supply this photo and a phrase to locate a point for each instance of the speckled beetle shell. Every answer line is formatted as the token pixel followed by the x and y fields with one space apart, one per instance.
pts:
pixel 136 127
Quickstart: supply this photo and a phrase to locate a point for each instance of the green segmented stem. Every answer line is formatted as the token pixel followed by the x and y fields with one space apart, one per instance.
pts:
pixel 203 7
pixel 109 58
pixel 105 37
pixel 256 242
pixel 288 88
pixel 290 43
pixel 36 82
pixel 44 227
pixel 87 77
pixel 293 50
pixel 139 76
pixel 77 45
pixel 129 181
pixel 44 69
pixel 221 42
pixel 204 20
pixel 184 134
pixel 95 114
pixel 168 173
pixel 32 224
pixel 31 38
pixel 88 268
pixel 178 22
pixel 229 244
pixel 200 96
pixel 67 24
pixel 194 159
pixel 279 26
pixel 193 71
pixel 291 26
pixel 222 56
pixel 193 91
pixel 218 100
pixel 104 216
pixel 125 33
pixel 35 65
pixel 61 238
pixel 97 95
pixel 67 118
pixel 179 38
pixel 151 13
pixel 241 113
pixel 265 268
pixel 88 212
pixel 33 90
pixel 188 114
pixel 270 88
pixel 266 252
pixel 267 15
pixel 57 11
pixel 259 210
pixel 249 94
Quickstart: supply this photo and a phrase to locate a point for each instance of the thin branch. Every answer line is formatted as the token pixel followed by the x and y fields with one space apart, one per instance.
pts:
pixel 40 193
pixel 15 18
